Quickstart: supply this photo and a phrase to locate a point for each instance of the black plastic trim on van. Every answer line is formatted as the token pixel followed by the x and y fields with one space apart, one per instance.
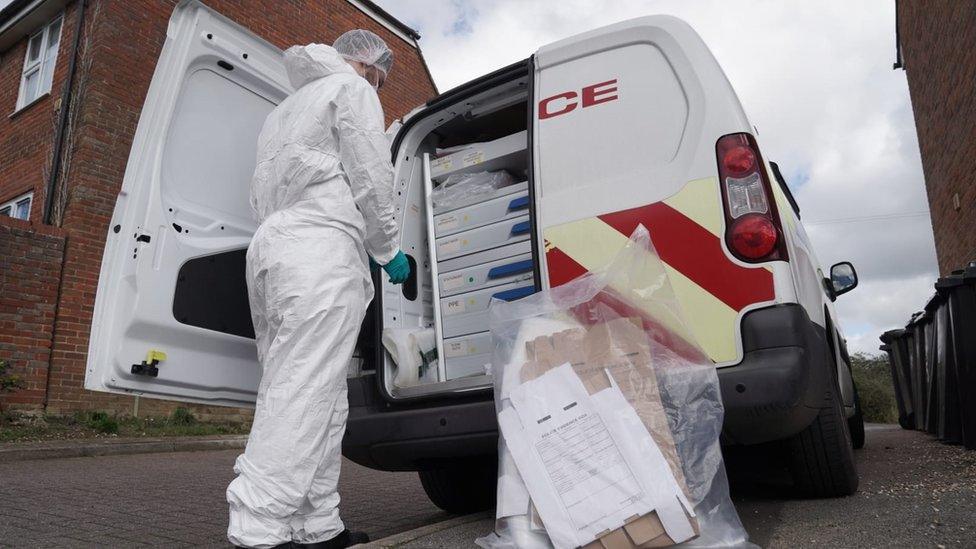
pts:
pixel 454 95
pixel 785 187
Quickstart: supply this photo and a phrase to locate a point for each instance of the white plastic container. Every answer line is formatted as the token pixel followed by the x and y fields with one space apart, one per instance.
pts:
pixel 486 275
pixel 484 213
pixel 467 355
pixel 468 313
pixel 495 235
pixel 505 153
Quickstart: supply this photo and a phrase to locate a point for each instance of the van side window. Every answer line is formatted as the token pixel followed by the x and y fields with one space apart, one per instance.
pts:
pixel 786 188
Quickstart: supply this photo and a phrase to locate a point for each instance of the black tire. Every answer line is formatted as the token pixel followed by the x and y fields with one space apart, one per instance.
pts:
pixel 855 423
pixel 461 488
pixel 822 456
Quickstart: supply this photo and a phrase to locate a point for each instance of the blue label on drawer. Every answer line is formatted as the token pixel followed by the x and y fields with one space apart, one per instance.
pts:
pixel 519 204
pixel 517 293
pixel 520 228
pixel 511 269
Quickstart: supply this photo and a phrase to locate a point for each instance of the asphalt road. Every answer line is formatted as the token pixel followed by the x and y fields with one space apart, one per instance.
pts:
pixel 914 492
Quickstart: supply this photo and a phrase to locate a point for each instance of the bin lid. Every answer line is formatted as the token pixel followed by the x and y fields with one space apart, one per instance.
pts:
pixel 915 319
pixel 969 275
pixel 892 335
pixel 947 282
pixel 933 303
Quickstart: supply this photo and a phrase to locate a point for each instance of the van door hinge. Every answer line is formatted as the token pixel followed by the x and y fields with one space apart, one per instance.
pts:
pixel 149 366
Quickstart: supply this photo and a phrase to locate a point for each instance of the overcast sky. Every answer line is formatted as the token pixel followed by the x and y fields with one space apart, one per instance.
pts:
pixel 814 77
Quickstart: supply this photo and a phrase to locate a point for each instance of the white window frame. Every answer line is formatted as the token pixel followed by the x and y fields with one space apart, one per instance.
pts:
pixel 9 208
pixel 39 65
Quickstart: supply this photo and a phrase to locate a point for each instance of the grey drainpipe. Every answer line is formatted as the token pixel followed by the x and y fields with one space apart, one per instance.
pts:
pixel 59 136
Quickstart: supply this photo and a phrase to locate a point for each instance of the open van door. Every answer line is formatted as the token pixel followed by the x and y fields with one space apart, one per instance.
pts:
pixel 171 316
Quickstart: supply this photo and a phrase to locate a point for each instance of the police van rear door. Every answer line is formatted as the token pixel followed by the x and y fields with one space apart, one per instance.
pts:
pixel 171 316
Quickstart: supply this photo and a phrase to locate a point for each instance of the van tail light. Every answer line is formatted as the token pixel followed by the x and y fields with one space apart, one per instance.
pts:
pixel 753 232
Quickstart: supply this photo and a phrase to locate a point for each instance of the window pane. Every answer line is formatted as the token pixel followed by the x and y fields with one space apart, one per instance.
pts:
pixel 47 76
pixel 34 48
pixel 5 211
pixel 53 38
pixel 23 209
pixel 54 32
pixel 31 86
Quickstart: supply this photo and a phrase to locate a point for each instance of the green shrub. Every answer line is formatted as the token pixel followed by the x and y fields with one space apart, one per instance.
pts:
pixel 872 375
pixel 182 416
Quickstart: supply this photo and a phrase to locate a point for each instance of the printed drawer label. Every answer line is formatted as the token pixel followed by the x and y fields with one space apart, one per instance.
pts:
pixel 442 164
pixel 454 307
pixel 454 349
pixel 472 158
pixel 448 222
pixel 449 246
pixel 455 281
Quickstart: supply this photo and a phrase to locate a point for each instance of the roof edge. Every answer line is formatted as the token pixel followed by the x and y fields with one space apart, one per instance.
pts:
pixel 386 19
pixel 22 17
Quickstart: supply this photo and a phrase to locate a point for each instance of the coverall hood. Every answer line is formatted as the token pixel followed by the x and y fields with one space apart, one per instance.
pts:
pixel 306 63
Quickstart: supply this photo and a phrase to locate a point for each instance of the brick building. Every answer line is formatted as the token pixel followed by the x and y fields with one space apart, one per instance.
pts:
pixel 73 78
pixel 937 49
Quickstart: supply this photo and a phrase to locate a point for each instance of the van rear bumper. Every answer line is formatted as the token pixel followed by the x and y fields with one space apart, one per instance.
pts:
pixel 774 393
pixel 777 389
pixel 416 438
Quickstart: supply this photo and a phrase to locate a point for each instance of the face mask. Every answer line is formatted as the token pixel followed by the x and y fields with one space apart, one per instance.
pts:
pixel 375 77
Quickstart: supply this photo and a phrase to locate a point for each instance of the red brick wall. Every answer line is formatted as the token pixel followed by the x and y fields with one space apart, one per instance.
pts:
pixel 125 38
pixel 31 256
pixel 26 137
pixel 938 41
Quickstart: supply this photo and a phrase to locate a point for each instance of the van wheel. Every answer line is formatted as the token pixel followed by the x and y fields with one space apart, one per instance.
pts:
pixel 822 456
pixel 855 423
pixel 461 488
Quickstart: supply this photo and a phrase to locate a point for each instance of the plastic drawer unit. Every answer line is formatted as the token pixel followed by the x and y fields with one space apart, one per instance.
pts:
pixel 481 214
pixel 473 199
pixel 504 153
pixel 468 313
pixel 483 238
pixel 467 355
pixel 486 275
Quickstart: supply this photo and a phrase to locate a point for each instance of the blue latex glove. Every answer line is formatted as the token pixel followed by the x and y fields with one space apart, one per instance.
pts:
pixel 398 269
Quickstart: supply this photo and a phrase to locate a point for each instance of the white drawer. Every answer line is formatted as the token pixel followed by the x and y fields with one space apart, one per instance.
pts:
pixel 494 254
pixel 510 190
pixel 467 355
pixel 486 275
pixel 503 153
pixel 484 213
pixel 468 313
pixel 495 235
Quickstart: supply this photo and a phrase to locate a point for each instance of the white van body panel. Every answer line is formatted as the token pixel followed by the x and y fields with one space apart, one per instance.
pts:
pixel 190 167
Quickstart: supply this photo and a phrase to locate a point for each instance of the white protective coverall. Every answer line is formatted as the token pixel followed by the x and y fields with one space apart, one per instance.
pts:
pixel 322 189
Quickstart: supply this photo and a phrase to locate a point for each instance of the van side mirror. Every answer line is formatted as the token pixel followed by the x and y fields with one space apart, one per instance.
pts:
pixel 843 278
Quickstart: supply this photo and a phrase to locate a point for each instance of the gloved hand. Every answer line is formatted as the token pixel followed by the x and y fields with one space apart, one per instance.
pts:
pixel 398 269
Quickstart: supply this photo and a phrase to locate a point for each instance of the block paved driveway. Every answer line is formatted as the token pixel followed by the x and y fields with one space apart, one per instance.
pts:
pixel 171 500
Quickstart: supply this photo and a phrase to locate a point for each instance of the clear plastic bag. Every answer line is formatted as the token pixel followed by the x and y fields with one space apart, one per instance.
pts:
pixel 622 333
pixel 459 187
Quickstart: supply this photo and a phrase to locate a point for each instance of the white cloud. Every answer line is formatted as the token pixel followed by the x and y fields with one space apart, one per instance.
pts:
pixel 815 78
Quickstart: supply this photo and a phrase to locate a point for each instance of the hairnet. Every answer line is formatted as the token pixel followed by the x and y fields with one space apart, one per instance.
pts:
pixel 367 48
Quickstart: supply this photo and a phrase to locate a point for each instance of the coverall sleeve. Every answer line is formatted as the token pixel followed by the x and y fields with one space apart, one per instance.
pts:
pixel 364 152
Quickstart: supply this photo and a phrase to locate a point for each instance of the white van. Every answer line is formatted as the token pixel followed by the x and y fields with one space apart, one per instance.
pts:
pixel 627 124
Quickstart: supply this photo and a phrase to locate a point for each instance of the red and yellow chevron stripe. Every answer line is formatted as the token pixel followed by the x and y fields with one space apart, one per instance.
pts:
pixel 686 230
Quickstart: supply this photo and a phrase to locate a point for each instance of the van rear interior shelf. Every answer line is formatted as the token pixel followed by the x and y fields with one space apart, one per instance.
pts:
pixel 468 226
